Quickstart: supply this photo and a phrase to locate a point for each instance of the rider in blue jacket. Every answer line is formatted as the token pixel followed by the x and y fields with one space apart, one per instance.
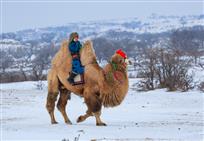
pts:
pixel 74 47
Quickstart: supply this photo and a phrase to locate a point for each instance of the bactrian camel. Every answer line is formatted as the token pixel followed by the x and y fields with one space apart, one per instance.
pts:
pixel 106 86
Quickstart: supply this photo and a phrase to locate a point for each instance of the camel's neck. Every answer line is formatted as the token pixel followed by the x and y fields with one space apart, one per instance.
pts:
pixel 117 84
pixel 112 69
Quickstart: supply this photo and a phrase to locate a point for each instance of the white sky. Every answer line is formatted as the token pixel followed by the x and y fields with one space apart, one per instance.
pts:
pixel 17 15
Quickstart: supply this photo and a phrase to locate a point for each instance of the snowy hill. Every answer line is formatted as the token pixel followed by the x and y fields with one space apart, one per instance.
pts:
pixel 126 27
pixel 24 51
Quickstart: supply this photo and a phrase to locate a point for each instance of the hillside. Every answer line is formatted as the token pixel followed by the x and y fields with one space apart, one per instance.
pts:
pixel 26 54
pixel 128 28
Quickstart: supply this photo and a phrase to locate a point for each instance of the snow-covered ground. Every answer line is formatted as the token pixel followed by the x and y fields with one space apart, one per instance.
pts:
pixel 144 116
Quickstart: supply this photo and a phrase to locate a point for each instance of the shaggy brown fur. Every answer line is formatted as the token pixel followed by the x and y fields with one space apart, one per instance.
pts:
pixel 98 89
pixel 111 93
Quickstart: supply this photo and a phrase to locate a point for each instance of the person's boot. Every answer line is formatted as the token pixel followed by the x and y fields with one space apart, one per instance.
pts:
pixel 71 78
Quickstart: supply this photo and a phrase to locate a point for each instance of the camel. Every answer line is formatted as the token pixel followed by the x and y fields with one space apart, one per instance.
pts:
pixel 106 86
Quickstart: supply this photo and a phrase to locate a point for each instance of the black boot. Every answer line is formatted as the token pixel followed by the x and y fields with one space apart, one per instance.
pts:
pixel 71 78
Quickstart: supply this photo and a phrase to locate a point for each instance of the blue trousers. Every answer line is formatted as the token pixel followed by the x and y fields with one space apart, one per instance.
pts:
pixel 77 67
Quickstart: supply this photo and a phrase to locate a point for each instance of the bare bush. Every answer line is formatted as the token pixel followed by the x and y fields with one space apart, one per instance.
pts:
pixel 144 85
pixel 6 60
pixel 163 69
pixel 39 85
pixel 13 77
pixel 201 86
pixel 188 42
pixel 41 62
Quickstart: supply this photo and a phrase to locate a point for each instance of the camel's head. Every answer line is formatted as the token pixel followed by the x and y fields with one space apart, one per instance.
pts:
pixel 87 53
pixel 120 58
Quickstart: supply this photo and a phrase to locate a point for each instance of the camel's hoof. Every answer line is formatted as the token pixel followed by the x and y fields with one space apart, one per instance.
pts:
pixel 80 119
pixel 68 122
pixel 54 122
pixel 101 124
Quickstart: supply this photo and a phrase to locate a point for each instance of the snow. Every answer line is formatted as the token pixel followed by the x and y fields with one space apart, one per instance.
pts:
pixel 26 85
pixel 198 74
pixel 7 44
pixel 144 116
pixel 33 57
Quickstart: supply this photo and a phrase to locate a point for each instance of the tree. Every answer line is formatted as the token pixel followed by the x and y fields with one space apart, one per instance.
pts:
pixel 41 62
pixel 164 69
pixel 6 60
pixel 187 42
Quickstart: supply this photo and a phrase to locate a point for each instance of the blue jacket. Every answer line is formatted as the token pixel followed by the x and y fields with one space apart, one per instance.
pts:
pixel 74 48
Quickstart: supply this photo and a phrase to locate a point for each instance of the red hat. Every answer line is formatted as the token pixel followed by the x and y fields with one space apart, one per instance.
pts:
pixel 121 53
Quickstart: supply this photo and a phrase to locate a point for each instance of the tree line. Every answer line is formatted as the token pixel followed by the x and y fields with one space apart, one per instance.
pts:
pixel 161 59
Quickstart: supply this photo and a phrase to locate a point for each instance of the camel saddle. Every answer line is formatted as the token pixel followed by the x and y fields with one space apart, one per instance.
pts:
pixel 79 79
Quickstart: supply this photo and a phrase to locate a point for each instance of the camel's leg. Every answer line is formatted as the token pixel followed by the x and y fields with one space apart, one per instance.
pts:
pixel 62 102
pixel 94 105
pixel 84 117
pixel 98 119
pixel 88 112
pixel 52 94
pixel 51 98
